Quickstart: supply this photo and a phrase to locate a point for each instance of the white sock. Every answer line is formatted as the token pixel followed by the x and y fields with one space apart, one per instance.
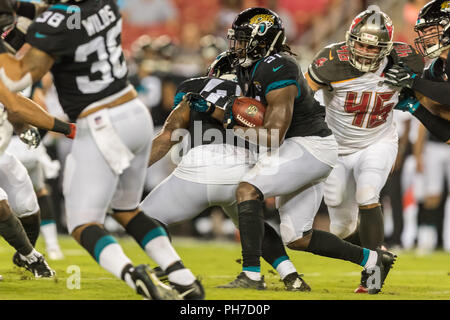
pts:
pixel 113 259
pixel 256 276
pixel 182 277
pixel 33 256
pixel 284 268
pixel 129 281
pixel 50 235
pixel 372 260
pixel 161 251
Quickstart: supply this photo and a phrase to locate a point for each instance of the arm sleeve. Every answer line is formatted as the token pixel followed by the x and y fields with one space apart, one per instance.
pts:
pixel 436 91
pixel 439 127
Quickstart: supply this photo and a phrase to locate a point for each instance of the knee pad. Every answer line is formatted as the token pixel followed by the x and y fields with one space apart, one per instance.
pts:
pixel 367 195
pixel 333 192
pixel 342 230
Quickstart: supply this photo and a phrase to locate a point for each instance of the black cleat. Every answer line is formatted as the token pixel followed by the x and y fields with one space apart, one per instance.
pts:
pixel 294 282
pixel 148 285
pixel 39 268
pixel 162 276
pixel 385 261
pixel 193 291
pixel 244 282
pixel 362 288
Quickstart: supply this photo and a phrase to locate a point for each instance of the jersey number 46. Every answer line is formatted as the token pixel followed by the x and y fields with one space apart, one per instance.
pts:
pixel 377 115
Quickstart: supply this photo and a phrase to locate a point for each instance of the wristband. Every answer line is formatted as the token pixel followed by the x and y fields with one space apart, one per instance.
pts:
pixel 61 127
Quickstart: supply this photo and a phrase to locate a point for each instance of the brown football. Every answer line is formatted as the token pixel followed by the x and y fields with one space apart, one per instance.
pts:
pixel 248 112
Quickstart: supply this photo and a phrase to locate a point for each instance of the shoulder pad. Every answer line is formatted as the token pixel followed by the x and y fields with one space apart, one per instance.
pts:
pixel 403 52
pixel 331 65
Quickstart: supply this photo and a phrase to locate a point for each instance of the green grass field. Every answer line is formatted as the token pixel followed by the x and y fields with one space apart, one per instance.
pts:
pixel 413 277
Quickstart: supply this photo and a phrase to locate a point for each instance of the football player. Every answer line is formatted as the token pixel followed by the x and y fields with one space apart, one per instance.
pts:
pixel 209 173
pixel 431 90
pixel 20 210
pixel 39 165
pixel 302 151
pixel 359 108
pixel 80 42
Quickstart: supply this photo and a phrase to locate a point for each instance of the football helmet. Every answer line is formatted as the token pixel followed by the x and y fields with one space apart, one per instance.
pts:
pixel 255 33
pixel 433 28
pixel 222 67
pixel 373 28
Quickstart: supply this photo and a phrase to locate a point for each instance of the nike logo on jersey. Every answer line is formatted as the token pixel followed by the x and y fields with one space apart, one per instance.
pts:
pixel 331 56
pixel 276 69
pixel 40 35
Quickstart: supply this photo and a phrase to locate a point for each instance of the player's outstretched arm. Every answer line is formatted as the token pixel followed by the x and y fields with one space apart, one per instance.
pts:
pixel 178 119
pixel 18 74
pixel 23 109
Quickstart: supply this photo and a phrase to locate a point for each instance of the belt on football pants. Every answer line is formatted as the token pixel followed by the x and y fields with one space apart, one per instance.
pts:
pixel 130 95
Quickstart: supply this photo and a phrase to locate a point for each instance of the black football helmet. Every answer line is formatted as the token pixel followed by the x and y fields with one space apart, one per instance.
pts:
pixel 433 28
pixel 222 67
pixel 256 33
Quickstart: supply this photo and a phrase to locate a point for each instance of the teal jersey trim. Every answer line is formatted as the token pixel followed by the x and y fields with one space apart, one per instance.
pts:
pixel 65 7
pixel 256 66
pixel 101 244
pixel 158 232
pixel 283 83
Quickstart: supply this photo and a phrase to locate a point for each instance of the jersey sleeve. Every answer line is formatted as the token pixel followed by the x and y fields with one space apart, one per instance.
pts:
pixel 277 73
pixel 50 33
pixel 406 54
pixel 319 69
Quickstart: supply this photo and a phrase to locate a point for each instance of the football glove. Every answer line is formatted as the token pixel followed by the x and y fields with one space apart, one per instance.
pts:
pixel 409 104
pixel 400 76
pixel 228 119
pixel 31 137
pixel 197 103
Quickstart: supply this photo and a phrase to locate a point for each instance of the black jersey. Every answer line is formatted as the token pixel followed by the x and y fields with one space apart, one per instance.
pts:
pixel 437 71
pixel 211 130
pixel 278 71
pixel 85 41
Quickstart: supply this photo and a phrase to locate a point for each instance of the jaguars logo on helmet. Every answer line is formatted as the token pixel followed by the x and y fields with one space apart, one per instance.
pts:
pixel 433 29
pixel 256 33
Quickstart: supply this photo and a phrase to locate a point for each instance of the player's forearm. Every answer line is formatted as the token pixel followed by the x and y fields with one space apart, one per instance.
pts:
pixel 438 126
pixel 436 91
pixel 161 145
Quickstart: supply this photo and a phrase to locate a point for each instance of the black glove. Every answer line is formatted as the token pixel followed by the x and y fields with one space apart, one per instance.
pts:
pixel 400 76
pixel 228 119
pixel 31 137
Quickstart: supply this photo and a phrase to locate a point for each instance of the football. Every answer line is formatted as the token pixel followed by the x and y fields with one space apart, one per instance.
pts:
pixel 248 112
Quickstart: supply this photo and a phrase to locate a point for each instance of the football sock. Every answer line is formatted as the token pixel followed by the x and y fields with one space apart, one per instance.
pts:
pixel 50 234
pixel 32 226
pixel 328 245
pixel 178 274
pixel 152 237
pixel 274 253
pixel 251 227
pixel 12 230
pixel 48 224
pixel 354 238
pixel 371 228
pixel 104 249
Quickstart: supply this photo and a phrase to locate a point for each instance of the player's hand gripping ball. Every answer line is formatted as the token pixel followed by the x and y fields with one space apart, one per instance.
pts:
pixel 248 112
